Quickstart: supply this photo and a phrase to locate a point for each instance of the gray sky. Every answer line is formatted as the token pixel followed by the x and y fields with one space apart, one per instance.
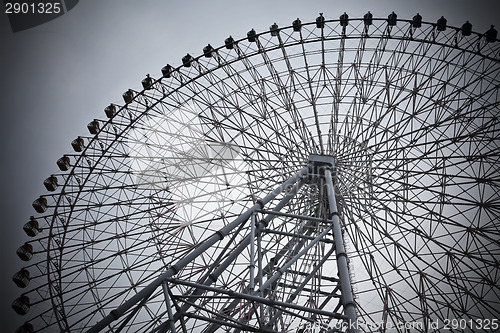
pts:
pixel 59 76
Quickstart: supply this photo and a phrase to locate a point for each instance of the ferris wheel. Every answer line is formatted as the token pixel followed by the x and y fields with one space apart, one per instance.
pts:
pixel 299 179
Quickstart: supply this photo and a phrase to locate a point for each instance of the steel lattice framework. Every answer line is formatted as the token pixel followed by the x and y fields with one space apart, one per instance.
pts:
pixel 178 187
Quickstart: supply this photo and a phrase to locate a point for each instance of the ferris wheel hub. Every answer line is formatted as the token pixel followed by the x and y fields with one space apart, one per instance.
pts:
pixel 317 164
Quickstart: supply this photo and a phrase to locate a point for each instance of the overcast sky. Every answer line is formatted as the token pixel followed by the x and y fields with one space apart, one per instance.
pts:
pixel 57 77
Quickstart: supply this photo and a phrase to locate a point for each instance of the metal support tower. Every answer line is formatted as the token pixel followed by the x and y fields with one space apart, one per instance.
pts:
pixel 318 174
